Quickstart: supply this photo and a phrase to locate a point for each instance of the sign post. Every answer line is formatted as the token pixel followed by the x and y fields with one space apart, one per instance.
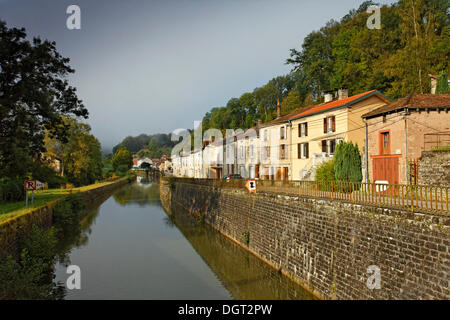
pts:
pixel 251 186
pixel 32 185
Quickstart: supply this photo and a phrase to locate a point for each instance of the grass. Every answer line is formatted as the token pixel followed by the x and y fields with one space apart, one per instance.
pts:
pixel 442 148
pixel 41 197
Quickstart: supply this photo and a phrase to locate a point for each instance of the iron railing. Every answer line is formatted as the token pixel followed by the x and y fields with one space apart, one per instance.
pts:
pixel 416 198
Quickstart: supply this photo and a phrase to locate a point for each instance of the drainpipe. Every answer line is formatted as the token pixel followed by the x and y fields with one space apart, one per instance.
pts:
pixel 366 151
pixel 406 146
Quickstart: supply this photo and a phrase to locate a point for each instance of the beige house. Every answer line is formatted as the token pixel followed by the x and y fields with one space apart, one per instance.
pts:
pixel 317 130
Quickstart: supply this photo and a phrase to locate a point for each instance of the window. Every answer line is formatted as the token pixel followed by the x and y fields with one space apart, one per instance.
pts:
pixel 385 142
pixel 329 124
pixel 324 146
pixel 304 129
pixel 266 135
pixel 331 146
pixel 283 132
pixel 283 151
pixel 303 150
pixel 267 152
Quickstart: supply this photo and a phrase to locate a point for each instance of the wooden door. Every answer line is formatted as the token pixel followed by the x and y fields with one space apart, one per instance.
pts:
pixel 278 174
pixel 386 169
pixel 286 173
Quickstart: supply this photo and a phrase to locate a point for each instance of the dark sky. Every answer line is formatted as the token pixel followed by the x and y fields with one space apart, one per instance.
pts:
pixel 154 66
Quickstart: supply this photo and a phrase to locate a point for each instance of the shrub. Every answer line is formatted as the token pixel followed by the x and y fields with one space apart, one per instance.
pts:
pixel 11 190
pixel 31 276
pixel 347 162
pixel 122 170
pixel 325 172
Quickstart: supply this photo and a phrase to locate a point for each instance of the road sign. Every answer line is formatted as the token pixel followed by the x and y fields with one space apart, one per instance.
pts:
pixel 31 185
pixel 251 186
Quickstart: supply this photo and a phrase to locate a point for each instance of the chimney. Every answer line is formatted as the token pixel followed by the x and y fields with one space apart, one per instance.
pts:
pixel 343 93
pixel 278 109
pixel 328 97
pixel 259 122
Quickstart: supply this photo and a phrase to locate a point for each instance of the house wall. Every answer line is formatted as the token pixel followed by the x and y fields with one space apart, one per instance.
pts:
pixel 272 164
pixel 417 125
pixel 349 127
pixel 314 138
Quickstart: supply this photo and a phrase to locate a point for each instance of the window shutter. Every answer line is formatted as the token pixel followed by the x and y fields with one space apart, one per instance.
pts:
pixel 324 125
pixel 299 151
pixel 307 150
pixel 299 129
pixel 306 129
pixel 333 121
pixel 324 145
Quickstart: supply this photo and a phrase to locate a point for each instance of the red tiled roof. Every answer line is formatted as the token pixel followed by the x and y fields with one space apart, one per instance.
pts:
pixel 413 101
pixel 338 103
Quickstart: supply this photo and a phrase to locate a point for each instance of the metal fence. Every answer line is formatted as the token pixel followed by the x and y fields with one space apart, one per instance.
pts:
pixel 436 140
pixel 416 198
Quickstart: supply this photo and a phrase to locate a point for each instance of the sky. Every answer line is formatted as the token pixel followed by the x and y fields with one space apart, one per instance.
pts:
pixel 154 66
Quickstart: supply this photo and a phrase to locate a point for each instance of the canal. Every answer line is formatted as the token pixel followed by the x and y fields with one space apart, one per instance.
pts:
pixel 130 248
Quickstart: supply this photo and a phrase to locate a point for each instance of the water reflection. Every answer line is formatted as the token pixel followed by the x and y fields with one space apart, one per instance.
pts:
pixel 129 248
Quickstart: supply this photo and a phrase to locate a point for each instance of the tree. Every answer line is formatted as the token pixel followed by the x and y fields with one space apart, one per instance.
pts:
pixel 33 96
pixel 442 83
pixel 80 154
pixel 347 162
pixel 122 158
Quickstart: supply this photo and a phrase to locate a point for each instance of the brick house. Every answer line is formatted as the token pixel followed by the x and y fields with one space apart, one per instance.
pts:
pixel 400 131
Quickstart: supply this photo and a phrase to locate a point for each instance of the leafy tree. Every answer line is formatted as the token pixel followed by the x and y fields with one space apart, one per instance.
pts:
pixel 80 153
pixel 347 162
pixel 122 158
pixel 442 83
pixel 33 96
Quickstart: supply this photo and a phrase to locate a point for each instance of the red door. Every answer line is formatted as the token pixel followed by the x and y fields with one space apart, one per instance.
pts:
pixel 385 169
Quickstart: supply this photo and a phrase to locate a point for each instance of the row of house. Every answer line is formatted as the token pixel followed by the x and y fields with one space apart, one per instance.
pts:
pixel 291 147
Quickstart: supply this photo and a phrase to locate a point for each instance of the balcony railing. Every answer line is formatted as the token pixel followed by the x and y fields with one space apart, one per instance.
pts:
pixel 416 198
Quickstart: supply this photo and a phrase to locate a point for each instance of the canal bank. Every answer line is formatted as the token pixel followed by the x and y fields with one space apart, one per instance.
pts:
pixel 330 247
pixel 13 229
pixel 130 248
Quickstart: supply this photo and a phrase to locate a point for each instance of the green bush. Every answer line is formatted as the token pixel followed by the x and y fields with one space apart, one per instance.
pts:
pixel 31 276
pixel 347 162
pixel 325 172
pixel 122 170
pixel 11 190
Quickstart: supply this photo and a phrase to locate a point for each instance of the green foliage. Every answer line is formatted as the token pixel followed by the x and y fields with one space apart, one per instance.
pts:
pixel 66 214
pixel 123 159
pixel 44 173
pixel 135 144
pixel 325 172
pixel 34 95
pixel 122 170
pixel 442 83
pixel 347 162
pixel 31 276
pixel 413 41
pixel 11 190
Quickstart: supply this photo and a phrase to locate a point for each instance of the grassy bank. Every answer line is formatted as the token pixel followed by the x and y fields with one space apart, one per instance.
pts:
pixel 41 198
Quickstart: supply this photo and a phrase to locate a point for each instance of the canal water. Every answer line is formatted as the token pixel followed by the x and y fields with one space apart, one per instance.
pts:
pixel 130 248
